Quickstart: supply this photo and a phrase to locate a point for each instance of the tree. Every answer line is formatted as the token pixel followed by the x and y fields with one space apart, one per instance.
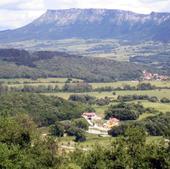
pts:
pixel 81 123
pixel 14 132
pixel 124 111
pixel 145 86
pixel 80 136
pixel 57 129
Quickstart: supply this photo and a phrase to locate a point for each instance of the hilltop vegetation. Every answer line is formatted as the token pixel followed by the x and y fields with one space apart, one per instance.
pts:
pixel 21 63
pixel 42 109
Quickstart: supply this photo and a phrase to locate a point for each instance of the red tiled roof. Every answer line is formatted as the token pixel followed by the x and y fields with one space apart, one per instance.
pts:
pixel 89 113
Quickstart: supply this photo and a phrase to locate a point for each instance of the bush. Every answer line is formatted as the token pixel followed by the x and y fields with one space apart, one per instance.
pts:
pixel 165 100
pixel 158 125
pixel 80 136
pixel 57 129
pixel 82 98
pixel 103 101
pixel 145 86
pixel 153 99
pixel 118 130
pixel 80 123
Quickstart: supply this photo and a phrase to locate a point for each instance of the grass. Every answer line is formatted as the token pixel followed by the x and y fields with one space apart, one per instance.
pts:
pixel 158 93
pixel 158 106
pixel 61 81
pixel 93 140
pixel 131 83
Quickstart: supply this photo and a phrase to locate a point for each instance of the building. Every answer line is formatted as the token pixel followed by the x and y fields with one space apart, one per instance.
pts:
pixel 150 76
pixel 89 115
pixel 112 122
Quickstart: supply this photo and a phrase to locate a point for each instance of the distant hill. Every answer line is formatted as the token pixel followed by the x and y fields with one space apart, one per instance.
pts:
pixel 21 63
pixel 93 23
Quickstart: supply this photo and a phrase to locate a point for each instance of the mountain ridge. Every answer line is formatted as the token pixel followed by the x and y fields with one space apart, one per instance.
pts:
pixel 93 23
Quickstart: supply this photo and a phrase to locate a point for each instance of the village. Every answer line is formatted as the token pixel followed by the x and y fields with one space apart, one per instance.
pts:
pixel 99 125
pixel 154 76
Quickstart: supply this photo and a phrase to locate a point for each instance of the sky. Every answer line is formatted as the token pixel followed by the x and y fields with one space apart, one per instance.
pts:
pixel 17 13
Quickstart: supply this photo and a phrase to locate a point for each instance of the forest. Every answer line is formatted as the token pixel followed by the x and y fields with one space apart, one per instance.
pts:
pixel 15 63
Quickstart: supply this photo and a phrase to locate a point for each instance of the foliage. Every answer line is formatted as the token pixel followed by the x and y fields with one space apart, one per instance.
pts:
pixel 19 149
pixel 80 123
pixel 128 151
pixel 118 130
pixel 82 98
pixel 57 129
pixel 77 87
pixel 21 63
pixel 103 101
pixel 80 136
pixel 44 110
pixel 158 125
pixel 124 111
pixel 165 100
pixel 145 86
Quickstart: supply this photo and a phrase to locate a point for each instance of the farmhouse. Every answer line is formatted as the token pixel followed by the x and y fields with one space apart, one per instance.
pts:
pixel 89 115
pixel 112 122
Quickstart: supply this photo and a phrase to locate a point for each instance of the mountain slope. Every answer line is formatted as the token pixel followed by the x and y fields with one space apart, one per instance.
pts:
pixel 93 23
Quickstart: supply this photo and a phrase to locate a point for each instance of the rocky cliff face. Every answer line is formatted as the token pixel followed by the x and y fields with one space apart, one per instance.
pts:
pixel 93 23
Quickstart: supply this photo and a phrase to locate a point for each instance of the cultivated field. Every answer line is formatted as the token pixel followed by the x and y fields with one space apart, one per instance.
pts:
pixel 108 48
pixel 60 82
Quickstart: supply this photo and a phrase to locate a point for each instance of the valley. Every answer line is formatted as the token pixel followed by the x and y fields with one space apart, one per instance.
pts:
pixel 48 84
pixel 85 88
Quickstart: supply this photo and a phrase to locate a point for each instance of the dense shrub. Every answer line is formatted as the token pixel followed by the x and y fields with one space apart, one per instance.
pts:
pixel 44 110
pixel 165 100
pixel 124 111
pixel 145 86
pixel 57 129
pixel 82 98
pixel 103 101
pixel 158 125
pixel 77 87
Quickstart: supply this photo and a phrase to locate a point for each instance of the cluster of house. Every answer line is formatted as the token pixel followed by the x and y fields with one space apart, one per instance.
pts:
pixel 155 76
pixel 91 117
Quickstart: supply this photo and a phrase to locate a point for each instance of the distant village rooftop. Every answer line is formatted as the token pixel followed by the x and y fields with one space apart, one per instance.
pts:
pixel 153 76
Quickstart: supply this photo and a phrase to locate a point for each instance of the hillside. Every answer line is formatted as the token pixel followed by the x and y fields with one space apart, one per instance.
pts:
pixel 21 63
pixel 42 109
pixel 93 23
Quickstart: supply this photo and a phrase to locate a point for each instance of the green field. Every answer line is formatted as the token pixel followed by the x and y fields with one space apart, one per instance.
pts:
pixel 19 83
pixel 61 81
pixel 131 83
pixel 158 93
pixel 107 48
pixel 93 140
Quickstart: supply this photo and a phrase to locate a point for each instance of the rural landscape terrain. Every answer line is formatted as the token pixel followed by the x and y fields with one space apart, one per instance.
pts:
pixel 86 89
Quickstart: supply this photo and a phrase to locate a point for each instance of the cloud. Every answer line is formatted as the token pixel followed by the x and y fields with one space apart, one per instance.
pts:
pixel 14 19
pixel 15 13
pixel 22 5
